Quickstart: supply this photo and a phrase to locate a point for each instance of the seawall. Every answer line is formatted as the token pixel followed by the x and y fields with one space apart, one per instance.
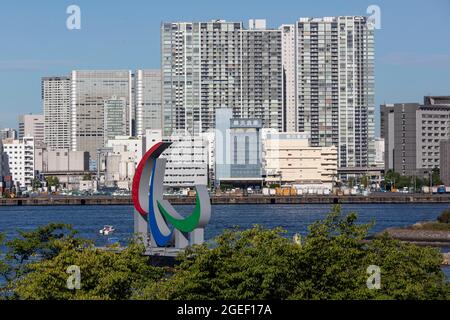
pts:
pixel 251 199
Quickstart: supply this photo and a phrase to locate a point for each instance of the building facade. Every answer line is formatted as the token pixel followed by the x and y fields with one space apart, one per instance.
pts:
pixel 206 65
pixel 60 161
pixel 56 106
pixel 121 162
pixel 187 158
pixel 262 75
pixel 379 152
pixel 335 86
pixel 412 135
pixel 444 164
pixel 238 150
pixel 289 158
pixel 89 91
pixel 289 77
pixel 148 101
pixel 115 118
pixel 20 154
pixel 8 133
pixel 4 163
pixel 32 125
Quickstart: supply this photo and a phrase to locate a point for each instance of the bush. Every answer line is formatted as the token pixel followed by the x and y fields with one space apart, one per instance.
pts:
pixel 330 263
pixel 444 217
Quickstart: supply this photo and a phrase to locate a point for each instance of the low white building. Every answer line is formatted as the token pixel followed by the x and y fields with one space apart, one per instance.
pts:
pixel 289 158
pixel 121 162
pixel 187 158
pixel 20 155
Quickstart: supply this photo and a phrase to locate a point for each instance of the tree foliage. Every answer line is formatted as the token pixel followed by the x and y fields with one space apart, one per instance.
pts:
pixel 330 262
pixel 105 275
pixel 394 179
pixel 52 182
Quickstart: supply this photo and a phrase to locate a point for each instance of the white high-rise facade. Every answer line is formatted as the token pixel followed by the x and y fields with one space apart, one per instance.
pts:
pixel 289 77
pixel 335 86
pixel 207 65
pixel 56 106
pixel 148 100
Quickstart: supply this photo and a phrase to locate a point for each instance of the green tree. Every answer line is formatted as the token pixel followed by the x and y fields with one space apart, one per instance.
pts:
pixel 104 275
pixel 30 246
pixel 36 183
pixel 336 257
pixel 52 182
pixel 391 178
pixel 331 263
pixel 249 264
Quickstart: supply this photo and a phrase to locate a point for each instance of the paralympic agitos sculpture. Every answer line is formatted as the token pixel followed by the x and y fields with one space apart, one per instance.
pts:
pixel 167 226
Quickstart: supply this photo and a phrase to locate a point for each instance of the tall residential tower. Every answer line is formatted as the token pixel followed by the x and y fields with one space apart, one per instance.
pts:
pixel 335 85
pixel 208 65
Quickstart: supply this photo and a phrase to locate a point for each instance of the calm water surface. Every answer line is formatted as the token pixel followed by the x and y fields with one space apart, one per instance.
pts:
pixel 294 218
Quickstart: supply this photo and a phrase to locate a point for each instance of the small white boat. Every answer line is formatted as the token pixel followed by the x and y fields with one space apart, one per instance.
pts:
pixel 107 230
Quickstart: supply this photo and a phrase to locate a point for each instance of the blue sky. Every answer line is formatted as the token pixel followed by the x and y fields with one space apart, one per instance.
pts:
pixel 412 46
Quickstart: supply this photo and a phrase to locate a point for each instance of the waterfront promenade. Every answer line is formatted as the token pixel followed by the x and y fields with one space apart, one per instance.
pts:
pixel 233 199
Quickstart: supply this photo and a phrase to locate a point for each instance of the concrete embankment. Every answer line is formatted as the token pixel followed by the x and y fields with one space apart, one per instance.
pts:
pixel 432 238
pixel 417 235
pixel 253 199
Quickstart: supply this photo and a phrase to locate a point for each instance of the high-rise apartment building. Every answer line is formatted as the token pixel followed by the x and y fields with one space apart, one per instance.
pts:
pixel 89 91
pixel 32 125
pixel 262 75
pixel 335 85
pixel 148 101
pixel 289 77
pixel 206 65
pixel 56 107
